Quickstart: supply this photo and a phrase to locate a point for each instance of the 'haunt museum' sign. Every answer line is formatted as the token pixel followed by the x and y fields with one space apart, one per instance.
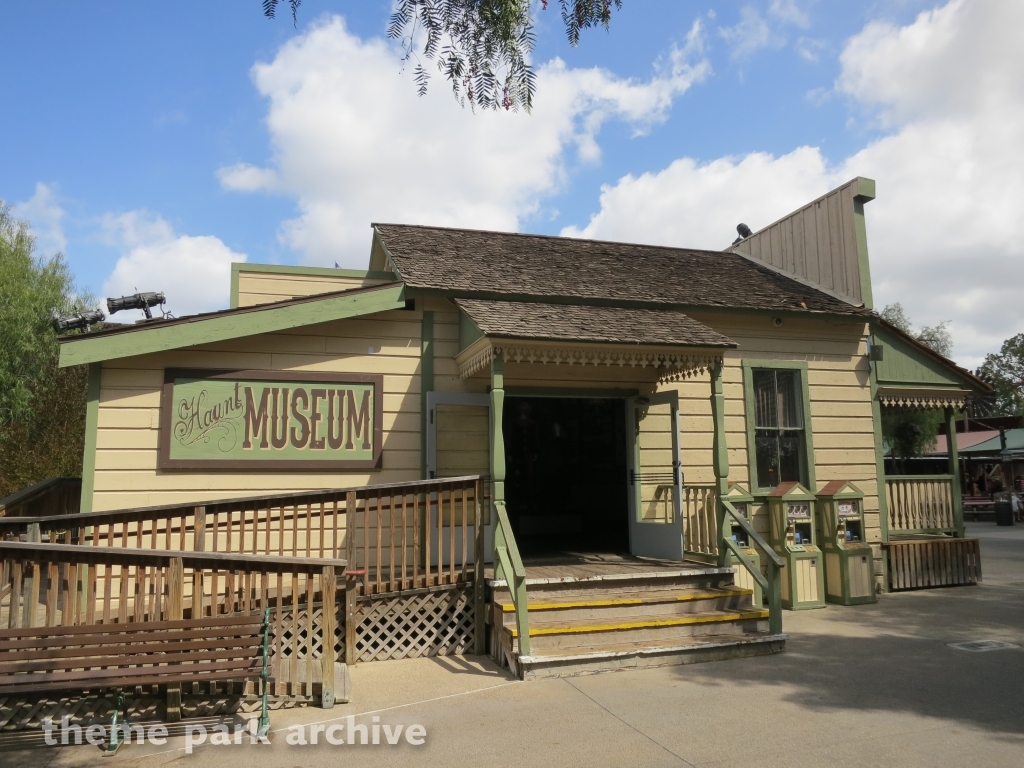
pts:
pixel 270 420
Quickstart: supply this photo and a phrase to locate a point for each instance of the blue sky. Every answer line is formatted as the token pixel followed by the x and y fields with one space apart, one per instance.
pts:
pixel 153 143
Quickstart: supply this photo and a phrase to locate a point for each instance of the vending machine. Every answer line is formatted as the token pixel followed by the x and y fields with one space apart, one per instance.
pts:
pixel 744 503
pixel 849 562
pixel 793 537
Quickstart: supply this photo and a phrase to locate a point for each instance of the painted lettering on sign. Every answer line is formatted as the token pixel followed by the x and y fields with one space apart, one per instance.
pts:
pixel 324 418
pixel 239 418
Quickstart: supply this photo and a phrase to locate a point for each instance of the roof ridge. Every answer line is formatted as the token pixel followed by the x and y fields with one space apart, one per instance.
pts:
pixel 556 237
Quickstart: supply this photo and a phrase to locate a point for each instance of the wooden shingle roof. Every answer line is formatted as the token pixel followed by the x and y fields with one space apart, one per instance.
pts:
pixel 479 264
pixel 585 323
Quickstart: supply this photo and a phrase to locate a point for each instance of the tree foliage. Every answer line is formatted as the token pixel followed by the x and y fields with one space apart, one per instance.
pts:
pixel 42 407
pixel 908 432
pixel 1004 370
pixel 482 47
pixel 937 337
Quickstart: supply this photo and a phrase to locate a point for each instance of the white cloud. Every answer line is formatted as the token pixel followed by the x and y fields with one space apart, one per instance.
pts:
pixel 194 272
pixel 353 143
pixel 946 234
pixel 790 12
pixel 810 49
pixel 750 34
pixel 44 215
pixel 699 205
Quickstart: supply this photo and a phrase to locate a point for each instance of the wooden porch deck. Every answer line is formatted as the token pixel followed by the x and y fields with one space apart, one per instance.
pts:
pixel 567 567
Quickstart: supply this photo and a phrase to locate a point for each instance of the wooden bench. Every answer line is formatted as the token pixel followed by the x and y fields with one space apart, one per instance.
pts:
pixel 116 656
pixel 976 506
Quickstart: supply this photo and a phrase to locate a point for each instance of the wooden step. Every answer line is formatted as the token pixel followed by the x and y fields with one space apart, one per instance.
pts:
pixel 696 576
pixel 558 602
pixel 583 632
pixel 542 663
pixel 608 587
pixel 629 604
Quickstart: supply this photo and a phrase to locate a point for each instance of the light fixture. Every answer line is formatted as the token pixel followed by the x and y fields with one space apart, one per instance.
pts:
pixel 141 301
pixel 79 320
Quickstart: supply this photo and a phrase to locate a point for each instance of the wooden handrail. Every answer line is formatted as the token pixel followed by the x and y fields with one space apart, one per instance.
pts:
pixel 772 585
pixel 506 555
pixel 918 477
pixel 131 514
pixel 74 553
pixel 752 533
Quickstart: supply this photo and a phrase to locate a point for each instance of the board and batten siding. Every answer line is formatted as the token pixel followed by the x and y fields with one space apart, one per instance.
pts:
pixel 386 343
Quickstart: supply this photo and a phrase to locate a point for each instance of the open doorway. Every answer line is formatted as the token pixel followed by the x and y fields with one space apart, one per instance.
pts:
pixel 566 474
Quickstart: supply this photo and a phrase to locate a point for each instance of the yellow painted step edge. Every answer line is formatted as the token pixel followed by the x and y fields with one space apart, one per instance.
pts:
pixel 510 608
pixel 650 624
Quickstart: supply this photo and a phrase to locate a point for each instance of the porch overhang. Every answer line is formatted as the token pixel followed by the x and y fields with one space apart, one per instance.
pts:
pixel 670 342
pixel 670 363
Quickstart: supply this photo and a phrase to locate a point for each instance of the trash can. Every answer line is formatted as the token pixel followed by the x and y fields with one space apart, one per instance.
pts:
pixel 1004 510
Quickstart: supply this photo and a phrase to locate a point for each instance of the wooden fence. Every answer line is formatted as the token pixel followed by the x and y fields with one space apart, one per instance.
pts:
pixel 415 582
pixel 67 586
pixel 922 504
pixel 391 521
pixel 933 562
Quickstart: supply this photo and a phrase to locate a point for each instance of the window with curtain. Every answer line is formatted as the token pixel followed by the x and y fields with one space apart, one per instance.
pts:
pixel 779 427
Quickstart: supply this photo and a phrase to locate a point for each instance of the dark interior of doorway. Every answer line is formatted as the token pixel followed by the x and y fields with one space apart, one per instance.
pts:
pixel 566 476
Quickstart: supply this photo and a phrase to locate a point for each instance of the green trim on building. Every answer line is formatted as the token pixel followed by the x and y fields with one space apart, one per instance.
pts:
pixel 904 364
pixel 469 331
pixel 426 382
pixel 233 299
pixel 865 194
pixel 748 406
pixel 92 414
pixel 232 324
pixel 876 418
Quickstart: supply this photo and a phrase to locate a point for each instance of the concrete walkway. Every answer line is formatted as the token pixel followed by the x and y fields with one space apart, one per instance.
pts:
pixel 868 686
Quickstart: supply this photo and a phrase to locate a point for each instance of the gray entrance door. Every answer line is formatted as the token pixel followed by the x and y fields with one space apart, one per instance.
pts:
pixel 655 476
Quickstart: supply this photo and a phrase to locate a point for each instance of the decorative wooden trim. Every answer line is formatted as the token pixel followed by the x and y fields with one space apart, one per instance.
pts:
pixel 164 460
pixel 673 363
pixel 922 398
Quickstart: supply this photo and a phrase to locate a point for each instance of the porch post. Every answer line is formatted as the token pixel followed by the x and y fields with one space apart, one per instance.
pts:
pixel 497 437
pixel 720 459
pixel 954 470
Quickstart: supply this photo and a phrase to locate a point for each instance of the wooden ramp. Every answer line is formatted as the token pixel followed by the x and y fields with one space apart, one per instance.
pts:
pixel 592 614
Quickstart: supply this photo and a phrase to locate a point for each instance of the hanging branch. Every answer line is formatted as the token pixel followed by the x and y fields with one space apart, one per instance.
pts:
pixel 482 47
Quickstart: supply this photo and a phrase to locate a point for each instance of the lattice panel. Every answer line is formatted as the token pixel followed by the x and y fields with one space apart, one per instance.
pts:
pixel 432 624
pixel 295 634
